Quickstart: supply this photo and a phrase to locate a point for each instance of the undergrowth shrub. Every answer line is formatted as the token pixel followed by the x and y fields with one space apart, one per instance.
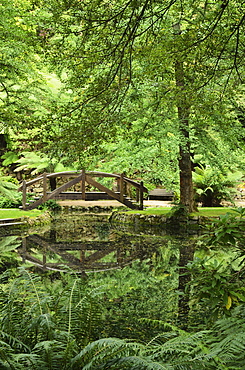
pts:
pixel 51 326
pixel 51 205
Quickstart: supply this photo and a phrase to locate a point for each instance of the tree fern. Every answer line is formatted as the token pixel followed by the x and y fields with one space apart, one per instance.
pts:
pixel 8 189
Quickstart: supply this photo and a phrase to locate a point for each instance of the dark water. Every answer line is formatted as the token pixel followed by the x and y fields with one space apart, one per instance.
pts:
pixel 140 265
pixel 141 268
pixel 85 243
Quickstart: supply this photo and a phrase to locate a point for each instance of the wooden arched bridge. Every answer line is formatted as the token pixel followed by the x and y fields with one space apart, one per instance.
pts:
pixel 55 185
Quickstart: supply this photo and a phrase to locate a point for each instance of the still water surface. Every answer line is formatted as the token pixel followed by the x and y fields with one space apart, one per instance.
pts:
pixel 87 243
pixel 141 268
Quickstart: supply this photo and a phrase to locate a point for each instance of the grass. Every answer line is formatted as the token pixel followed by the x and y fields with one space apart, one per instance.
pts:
pixel 213 211
pixel 206 212
pixel 202 211
pixel 17 213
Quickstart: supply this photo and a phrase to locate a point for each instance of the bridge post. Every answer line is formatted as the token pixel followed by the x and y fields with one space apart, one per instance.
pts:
pixel 141 193
pixel 121 186
pixel 83 184
pixel 44 186
pixel 24 194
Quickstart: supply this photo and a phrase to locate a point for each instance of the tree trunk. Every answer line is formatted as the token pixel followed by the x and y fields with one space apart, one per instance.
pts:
pixel 183 106
pixel 185 174
pixel 185 163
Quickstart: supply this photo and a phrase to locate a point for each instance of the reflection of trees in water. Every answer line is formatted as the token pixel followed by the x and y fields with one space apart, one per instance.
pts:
pixel 166 258
pixel 187 249
pixel 118 250
pixel 172 261
pixel 85 246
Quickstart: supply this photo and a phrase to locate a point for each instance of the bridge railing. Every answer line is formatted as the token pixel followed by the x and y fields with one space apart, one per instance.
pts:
pixel 83 177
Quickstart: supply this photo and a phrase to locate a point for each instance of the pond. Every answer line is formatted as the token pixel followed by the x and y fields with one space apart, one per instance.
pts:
pixel 87 243
pixel 140 269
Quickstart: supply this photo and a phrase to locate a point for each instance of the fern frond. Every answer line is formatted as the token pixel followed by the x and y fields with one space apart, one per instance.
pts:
pixel 13 342
pixel 141 363
pixel 228 339
pixel 103 350
pixel 50 353
pixel 82 313
pixel 9 243
pixel 27 360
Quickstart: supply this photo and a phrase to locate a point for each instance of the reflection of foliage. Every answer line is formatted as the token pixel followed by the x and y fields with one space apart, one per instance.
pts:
pixel 103 230
pixel 59 325
pixel 143 290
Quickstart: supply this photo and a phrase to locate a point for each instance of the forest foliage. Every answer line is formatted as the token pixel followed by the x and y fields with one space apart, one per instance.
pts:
pixel 125 86
pixel 127 318
pixel 154 89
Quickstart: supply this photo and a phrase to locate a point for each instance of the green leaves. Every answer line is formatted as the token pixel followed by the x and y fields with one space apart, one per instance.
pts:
pixel 46 325
pixel 213 184
pixel 39 163
pixel 216 283
pixel 227 230
pixel 8 187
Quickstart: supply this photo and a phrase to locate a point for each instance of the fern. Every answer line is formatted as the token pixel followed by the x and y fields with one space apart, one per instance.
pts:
pixel 8 189
pixel 7 339
pixel 181 353
pixel 47 326
pixel 228 339
pixel 83 312
pixel 102 351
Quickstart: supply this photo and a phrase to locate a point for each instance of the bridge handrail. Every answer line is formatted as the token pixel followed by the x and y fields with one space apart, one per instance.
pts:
pixel 89 173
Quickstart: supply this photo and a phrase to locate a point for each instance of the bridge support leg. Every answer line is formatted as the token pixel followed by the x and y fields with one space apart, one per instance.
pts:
pixel 141 194
pixel 121 185
pixel 83 185
pixel 44 187
pixel 24 195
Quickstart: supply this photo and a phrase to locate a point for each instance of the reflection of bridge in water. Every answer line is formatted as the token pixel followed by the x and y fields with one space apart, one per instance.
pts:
pixel 80 256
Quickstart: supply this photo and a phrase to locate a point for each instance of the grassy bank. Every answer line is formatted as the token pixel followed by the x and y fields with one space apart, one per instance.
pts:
pixel 202 211
pixel 17 213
